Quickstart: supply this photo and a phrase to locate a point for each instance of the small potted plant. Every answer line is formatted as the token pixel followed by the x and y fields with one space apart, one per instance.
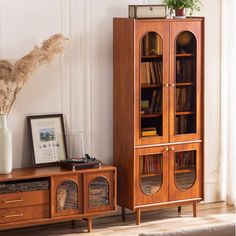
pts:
pixel 181 6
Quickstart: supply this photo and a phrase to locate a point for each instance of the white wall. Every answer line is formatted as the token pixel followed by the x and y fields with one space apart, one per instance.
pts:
pixel 79 84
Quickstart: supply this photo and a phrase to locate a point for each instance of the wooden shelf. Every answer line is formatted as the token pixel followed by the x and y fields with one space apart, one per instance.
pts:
pixel 184 84
pixel 152 57
pixel 185 55
pixel 184 171
pixel 151 85
pixel 183 113
pixel 151 115
pixel 151 174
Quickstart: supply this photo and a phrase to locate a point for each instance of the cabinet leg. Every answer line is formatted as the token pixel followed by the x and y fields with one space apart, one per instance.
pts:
pixel 73 223
pixel 194 209
pixel 179 210
pixel 123 214
pixel 89 224
pixel 138 216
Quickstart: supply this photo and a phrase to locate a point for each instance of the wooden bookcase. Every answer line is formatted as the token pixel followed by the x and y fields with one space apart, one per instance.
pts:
pixel 51 194
pixel 158 112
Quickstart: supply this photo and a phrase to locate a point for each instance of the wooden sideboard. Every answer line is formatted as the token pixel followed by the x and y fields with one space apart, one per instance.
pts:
pixel 46 195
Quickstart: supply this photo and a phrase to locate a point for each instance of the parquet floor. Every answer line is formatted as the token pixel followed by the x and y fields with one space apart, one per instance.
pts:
pixel 155 221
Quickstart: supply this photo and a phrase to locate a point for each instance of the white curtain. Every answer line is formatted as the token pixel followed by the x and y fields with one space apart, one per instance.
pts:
pixel 228 99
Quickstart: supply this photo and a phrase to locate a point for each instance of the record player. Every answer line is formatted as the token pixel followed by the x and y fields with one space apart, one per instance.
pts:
pixel 80 163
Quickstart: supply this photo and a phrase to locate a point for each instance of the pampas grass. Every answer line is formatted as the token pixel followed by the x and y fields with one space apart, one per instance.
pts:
pixel 14 76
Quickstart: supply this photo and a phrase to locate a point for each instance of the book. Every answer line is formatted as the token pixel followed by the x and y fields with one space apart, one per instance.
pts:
pixel 153 101
pixel 145 106
pixel 159 45
pixel 143 73
pixel 149 131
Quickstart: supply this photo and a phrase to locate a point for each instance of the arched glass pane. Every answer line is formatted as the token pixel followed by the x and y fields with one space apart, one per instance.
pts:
pixel 98 192
pixel 151 80
pixel 67 195
pixel 185 80
pixel 185 169
pixel 151 173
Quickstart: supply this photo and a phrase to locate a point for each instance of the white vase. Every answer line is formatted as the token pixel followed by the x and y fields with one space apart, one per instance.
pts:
pixel 5 146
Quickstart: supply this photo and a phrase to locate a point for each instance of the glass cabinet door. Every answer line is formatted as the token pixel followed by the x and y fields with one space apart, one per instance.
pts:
pixel 185 85
pixel 152 96
pixel 99 189
pixel 152 177
pixel 67 195
pixel 98 192
pixel 185 174
pixel 151 173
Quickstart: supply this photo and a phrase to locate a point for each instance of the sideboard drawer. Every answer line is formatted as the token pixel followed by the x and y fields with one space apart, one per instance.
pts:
pixel 24 213
pixel 20 199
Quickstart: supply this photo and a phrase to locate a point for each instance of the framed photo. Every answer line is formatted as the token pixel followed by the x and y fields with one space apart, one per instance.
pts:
pixel 47 138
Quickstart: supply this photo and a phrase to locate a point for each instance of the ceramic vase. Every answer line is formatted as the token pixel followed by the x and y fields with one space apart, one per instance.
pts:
pixel 5 146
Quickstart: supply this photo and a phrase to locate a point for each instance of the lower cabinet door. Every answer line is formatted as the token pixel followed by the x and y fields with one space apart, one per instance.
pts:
pixel 151 175
pixel 99 191
pixel 66 195
pixel 185 171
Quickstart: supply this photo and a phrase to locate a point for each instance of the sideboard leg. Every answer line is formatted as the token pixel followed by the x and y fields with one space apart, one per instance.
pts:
pixel 138 216
pixel 89 224
pixel 194 209
pixel 123 214
pixel 179 210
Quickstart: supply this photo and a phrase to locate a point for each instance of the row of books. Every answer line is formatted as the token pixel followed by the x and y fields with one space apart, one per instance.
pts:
pixel 185 160
pixel 184 98
pixel 184 71
pixel 151 72
pixel 153 105
pixel 151 44
pixel 184 125
pixel 151 164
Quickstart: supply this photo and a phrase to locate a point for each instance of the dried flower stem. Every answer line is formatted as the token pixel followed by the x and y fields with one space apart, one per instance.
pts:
pixel 14 76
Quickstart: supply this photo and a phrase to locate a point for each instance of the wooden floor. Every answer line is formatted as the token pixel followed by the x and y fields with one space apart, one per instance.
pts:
pixel 156 221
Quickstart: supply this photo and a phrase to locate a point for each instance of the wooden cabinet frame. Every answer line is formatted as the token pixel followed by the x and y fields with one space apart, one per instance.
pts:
pixel 46 204
pixel 129 145
pixel 169 191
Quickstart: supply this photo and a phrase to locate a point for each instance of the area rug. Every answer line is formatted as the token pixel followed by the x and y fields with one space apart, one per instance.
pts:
pixel 214 230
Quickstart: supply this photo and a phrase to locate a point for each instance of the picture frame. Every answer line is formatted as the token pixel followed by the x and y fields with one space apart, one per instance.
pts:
pixel 47 139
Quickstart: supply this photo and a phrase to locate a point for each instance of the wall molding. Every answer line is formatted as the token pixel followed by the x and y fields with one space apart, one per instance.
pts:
pixel 88 82
pixel 80 87
pixel 75 67
pixel 65 69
